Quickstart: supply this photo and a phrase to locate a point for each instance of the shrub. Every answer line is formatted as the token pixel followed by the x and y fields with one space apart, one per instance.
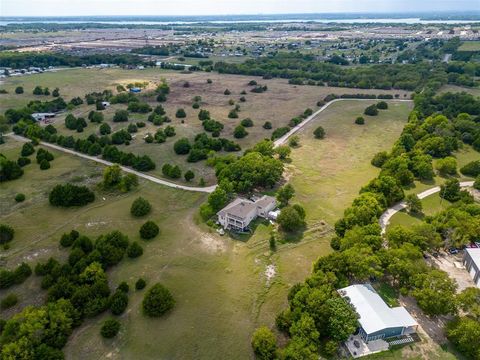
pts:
pixel 264 343
pixel 134 250
pixel 182 146
pixel 157 301
pixel 471 169
pixel 123 286
pixel 450 190
pixel 189 175
pixel 247 122
pixel 105 129
pixel 446 166
pixel 267 125
pixel 382 105
pixel 27 149
pixel 227 92
pixel 140 207
pixel 181 113
pixel 70 195
pixel 6 233
pixel 110 328
pixel 319 133
pixel 371 110
pixel 118 302
pixel 240 132
pixel 8 301
pixel 149 230
pixel 23 161
pixel 120 116
pixel 44 164
pixel 233 114
pixel 19 90
pixel 140 284
pixel 20 197
pixel 360 120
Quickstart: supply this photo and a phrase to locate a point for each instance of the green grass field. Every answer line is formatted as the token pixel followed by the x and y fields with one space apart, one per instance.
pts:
pixel 221 285
pixel 470 46
pixel 278 105
pixel 328 174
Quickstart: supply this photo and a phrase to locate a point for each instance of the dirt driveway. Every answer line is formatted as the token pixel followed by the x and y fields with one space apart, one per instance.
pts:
pixel 452 265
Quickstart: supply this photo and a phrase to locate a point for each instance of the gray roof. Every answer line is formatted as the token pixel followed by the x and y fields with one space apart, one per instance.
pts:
pixel 239 207
pixel 475 255
pixel 375 314
pixel 265 201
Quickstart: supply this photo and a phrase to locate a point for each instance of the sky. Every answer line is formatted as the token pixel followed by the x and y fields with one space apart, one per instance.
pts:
pixel 221 7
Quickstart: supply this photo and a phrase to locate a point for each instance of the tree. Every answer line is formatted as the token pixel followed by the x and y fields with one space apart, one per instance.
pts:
pixel 70 195
pixel 140 207
pixel 182 146
pixel 6 233
pixel 294 141
pixel 181 113
pixel 283 151
pixel 27 149
pixel 414 204
pixel 134 250
pixel 342 319
pixel 38 90
pixel 112 175
pixel 233 114
pixel 264 343
pixel 149 230
pixel 464 333
pixel 360 120
pixel 291 219
pixel 284 194
pixel 189 175
pixel 19 90
pixel 56 92
pixel 450 190
pixel 471 169
pixel 319 133
pixel 227 92
pixel 110 328
pixel 120 116
pixel 247 122
pixel 20 197
pixel 105 129
pixel 157 301
pixel 382 105
pixel 240 132
pixel 447 166
pixel 267 125
pixel 371 110
pixel 118 302
pixel 8 301
pixel 435 292
pixel 140 284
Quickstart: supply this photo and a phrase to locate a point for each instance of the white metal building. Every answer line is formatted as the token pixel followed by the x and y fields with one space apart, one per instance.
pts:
pixel 471 261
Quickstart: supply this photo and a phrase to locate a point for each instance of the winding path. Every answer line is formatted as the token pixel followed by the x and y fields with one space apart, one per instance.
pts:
pixel 207 189
pixel 387 215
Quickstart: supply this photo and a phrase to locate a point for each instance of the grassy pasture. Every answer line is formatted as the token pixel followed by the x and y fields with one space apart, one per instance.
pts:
pixel 328 174
pixel 278 105
pixel 470 46
pixel 223 287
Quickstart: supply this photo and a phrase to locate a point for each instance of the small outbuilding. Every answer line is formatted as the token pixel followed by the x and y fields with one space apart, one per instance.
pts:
pixel 135 90
pixel 42 116
pixel 471 261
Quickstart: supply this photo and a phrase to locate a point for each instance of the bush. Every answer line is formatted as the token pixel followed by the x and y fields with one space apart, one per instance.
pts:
pixel 123 286
pixel 19 90
pixel 371 110
pixel 20 197
pixel 157 301
pixel 319 133
pixel 140 207
pixel 182 146
pixel 233 114
pixel 110 328
pixel 118 302
pixel 70 195
pixel 134 250
pixel 360 120
pixel 240 132
pixel 450 190
pixel 27 149
pixel 181 114
pixel 23 161
pixel 44 164
pixel 120 116
pixel 227 92
pixel 382 105
pixel 446 166
pixel 264 343
pixel 8 301
pixel 247 122
pixel 267 125
pixel 149 230
pixel 6 233
pixel 471 169
pixel 140 284
pixel 189 175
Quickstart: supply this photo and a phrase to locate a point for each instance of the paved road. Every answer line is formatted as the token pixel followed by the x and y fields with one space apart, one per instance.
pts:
pixel 154 179
pixel 284 138
pixel 387 215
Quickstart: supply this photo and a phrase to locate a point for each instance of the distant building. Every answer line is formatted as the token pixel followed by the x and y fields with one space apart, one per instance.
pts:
pixel 135 90
pixel 377 321
pixel 42 116
pixel 471 260
pixel 241 212
pixel 105 104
